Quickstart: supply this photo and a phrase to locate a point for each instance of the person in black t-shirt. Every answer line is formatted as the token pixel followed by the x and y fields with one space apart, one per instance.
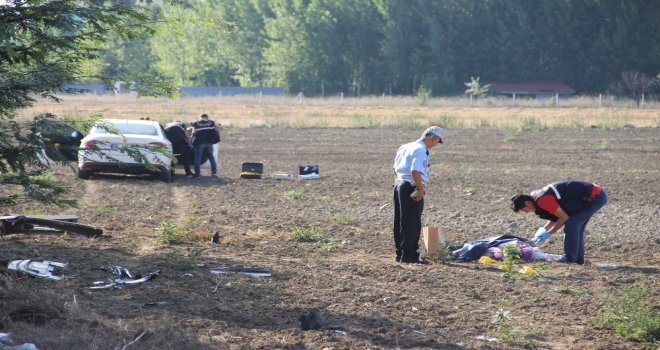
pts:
pixel 176 133
pixel 205 134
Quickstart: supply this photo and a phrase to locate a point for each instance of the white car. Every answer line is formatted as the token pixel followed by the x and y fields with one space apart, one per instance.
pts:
pixel 126 147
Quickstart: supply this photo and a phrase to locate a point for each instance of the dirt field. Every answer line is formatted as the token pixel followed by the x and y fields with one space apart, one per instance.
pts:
pixel 367 299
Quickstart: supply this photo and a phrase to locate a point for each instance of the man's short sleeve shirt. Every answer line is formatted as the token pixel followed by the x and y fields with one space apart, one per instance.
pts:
pixel 413 156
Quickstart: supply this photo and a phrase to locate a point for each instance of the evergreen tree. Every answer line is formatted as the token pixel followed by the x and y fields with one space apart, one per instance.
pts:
pixel 45 45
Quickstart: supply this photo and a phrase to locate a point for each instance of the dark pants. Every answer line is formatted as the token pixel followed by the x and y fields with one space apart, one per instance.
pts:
pixel 199 149
pixel 183 149
pixel 574 229
pixel 407 221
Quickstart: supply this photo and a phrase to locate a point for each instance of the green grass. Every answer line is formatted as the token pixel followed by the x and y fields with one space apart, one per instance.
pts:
pixel 36 211
pixel 306 234
pixel 411 122
pixel 511 135
pixel 448 122
pixel 351 203
pixel 190 222
pixel 184 262
pixel 132 243
pixel 634 315
pixel 298 194
pixel 169 232
pixel 483 124
pixel 532 124
pixel 331 245
pixel 363 121
pixel 314 259
pixel 505 331
pixel 342 218
pixel 105 208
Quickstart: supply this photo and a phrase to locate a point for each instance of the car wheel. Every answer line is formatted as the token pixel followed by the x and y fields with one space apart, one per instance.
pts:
pixel 83 174
pixel 166 175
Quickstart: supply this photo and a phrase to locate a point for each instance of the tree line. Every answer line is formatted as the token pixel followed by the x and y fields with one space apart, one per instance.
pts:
pixel 323 47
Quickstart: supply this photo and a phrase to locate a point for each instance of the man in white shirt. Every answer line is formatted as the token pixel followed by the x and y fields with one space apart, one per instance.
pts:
pixel 411 168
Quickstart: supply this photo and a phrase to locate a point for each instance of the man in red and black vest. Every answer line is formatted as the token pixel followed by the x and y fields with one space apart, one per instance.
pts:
pixel 569 204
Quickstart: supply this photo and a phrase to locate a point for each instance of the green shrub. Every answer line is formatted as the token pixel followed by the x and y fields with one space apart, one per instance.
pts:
pixel 184 262
pixel 634 316
pixel 169 232
pixel 331 245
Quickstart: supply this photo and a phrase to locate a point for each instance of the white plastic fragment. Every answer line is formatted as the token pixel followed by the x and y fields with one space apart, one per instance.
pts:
pixel 312 176
pixel 485 338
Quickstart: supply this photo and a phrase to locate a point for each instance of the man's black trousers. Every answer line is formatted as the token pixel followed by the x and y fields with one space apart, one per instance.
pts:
pixel 407 221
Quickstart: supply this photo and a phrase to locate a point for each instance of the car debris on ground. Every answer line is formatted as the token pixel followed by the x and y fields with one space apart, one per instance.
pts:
pixel 17 223
pixel 43 268
pixel 124 278
pixel 250 271
pixel 6 343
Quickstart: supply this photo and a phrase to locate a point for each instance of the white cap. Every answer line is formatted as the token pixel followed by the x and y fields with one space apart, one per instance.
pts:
pixel 435 130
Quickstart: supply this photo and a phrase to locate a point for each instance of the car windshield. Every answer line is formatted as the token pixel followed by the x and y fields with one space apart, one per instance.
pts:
pixel 126 128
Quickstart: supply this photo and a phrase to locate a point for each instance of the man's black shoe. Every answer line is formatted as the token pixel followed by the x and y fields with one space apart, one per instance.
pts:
pixel 565 260
pixel 397 259
pixel 414 261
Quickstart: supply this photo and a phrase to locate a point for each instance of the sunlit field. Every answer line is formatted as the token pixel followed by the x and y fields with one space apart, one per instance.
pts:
pixel 337 111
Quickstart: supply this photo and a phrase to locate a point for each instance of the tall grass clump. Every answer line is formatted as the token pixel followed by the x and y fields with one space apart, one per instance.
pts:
pixel 363 121
pixel 306 234
pixel 411 122
pixel 532 124
pixel 613 122
pixel 448 122
pixel 483 124
pixel 423 95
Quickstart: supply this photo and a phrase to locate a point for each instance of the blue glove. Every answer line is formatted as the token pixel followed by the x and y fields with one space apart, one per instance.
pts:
pixel 541 235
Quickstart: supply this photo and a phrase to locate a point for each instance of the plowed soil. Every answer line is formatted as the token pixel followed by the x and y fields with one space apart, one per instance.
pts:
pixel 367 300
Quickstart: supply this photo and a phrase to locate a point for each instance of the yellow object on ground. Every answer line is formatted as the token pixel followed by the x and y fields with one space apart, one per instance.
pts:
pixel 527 269
pixel 250 175
pixel 486 260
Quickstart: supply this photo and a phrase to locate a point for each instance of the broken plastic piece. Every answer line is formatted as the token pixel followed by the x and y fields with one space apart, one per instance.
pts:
pixel 119 282
pixel 251 271
pixel 38 268
pixel 312 176
pixel 121 271
pixel 485 338
pixel 6 343
pixel 282 176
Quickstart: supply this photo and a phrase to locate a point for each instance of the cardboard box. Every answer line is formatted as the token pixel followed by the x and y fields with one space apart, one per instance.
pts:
pixel 432 238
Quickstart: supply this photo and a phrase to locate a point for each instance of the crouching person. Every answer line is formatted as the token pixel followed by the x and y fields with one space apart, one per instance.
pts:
pixel 568 204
